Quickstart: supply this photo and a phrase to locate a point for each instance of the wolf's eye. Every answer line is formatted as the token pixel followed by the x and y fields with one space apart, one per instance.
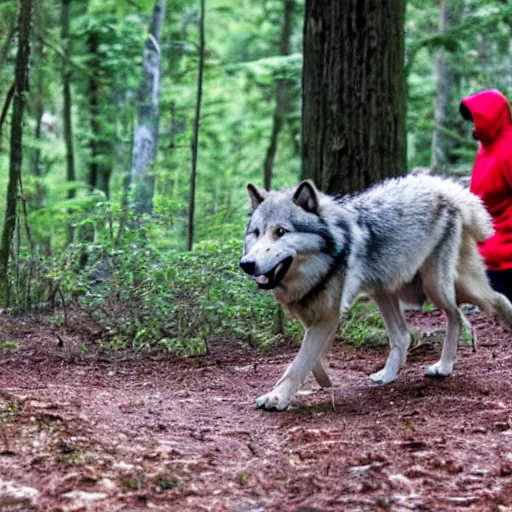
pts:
pixel 280 232
pixel 256 232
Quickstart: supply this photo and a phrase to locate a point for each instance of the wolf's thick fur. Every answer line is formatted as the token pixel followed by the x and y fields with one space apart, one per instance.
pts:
pixel 410 239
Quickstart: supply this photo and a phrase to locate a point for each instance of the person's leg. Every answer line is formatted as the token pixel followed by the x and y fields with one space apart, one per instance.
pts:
pixel 501 281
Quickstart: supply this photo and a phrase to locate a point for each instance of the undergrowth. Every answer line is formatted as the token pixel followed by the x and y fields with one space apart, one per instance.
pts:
pixel 147 295
pixel 362 324
pixel 148 298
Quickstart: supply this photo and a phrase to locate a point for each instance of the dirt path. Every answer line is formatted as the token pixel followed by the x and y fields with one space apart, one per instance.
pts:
pixel 85 434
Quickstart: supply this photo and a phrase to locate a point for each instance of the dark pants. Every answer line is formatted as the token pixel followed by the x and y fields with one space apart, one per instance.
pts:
pixel 501 281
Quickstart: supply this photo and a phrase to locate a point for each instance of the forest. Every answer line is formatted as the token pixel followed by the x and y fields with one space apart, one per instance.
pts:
pixel 144 121
pixel 129 130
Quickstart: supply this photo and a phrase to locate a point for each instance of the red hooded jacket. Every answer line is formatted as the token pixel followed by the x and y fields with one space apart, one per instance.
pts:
pixel 491 179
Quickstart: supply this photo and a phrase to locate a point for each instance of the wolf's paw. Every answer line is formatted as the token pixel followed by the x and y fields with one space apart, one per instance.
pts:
pixel 382 377
pixel 439 369
pixel 273 401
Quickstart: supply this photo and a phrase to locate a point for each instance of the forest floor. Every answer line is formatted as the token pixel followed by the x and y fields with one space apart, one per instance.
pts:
pixel 81 431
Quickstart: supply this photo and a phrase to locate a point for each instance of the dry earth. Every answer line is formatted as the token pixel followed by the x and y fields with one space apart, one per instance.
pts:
pixel 79 431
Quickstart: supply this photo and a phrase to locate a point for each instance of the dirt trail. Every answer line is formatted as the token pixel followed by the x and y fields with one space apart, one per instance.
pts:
pixel 82 433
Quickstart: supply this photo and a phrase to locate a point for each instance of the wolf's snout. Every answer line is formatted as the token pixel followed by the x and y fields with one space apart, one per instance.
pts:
pixel 248 266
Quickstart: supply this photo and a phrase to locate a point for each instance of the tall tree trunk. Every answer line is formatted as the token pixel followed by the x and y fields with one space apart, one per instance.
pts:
pixel 92 41
pixel 145 138
pixel 354 102
pixel 38 106
pixel 441 141
pixel 66 91
pixel 16 156
pixel 195 137
pixel 283 91
pixel 38 115
pixel 99 168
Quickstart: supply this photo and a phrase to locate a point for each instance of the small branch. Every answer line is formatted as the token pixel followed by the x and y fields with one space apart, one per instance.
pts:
pixel 8 42
pixel 195 137
pixel 5 440
pixel 71 62
pixel 25 214
pixel 61 341
pixel 7 104
pixel 439 39
pixel 152 38
pixel 64 306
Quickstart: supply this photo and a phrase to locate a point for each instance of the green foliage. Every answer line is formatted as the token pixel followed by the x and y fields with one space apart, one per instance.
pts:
pixel 6 346
pixel 147 295
pixel 362 324
pixel 476 48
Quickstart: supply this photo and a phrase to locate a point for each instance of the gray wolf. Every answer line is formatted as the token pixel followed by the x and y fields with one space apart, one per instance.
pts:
pixel 409 239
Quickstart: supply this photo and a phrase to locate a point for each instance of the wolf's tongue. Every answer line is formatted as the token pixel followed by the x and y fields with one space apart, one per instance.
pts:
pixel 262 279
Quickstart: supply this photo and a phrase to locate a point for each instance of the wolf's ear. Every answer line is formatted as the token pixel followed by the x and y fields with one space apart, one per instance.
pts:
pixel 257 195
pixel 306 196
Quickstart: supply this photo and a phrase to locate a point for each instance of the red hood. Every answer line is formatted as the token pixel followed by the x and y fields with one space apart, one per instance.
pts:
pixel 491 114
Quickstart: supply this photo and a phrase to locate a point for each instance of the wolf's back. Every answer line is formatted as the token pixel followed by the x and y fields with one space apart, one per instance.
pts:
pixel 427 191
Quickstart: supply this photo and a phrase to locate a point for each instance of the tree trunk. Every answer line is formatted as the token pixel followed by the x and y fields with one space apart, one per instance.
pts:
pixel 16 156
pixel 38 115
pixel 99 168
pixel 145 139
pixel 66 92
pixel 441 141
pixel 354 96
pixel 38 79
pixel 283 92
pixel 195 137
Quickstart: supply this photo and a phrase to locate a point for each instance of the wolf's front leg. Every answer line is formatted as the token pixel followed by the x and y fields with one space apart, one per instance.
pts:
pixel 316 340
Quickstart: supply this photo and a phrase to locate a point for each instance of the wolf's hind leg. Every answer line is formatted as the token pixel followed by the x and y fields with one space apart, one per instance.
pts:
pixel 316 340
pixel 320 368
pixel 439 285
pixel 399 338
pixel 321 375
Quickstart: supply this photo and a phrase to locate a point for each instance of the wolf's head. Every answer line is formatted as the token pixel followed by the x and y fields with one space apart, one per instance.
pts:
pixel 284 235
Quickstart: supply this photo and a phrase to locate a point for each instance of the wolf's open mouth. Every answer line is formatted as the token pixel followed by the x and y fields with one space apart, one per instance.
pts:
pixel 275 276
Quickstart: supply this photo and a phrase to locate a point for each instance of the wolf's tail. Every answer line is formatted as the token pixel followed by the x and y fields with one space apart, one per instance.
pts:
pixel 503 309
pixel 476 218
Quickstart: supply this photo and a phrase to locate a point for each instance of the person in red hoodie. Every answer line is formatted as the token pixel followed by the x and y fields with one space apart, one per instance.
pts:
pixel 491 179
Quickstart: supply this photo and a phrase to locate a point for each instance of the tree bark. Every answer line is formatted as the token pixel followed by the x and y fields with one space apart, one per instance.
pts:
pixel 195 137
pixel 16 155
pixel 145 139
pixel 283 91
pixel 441 142
pixel 66 91
pixel 38 106
pixel 99 168
pixel 354 95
